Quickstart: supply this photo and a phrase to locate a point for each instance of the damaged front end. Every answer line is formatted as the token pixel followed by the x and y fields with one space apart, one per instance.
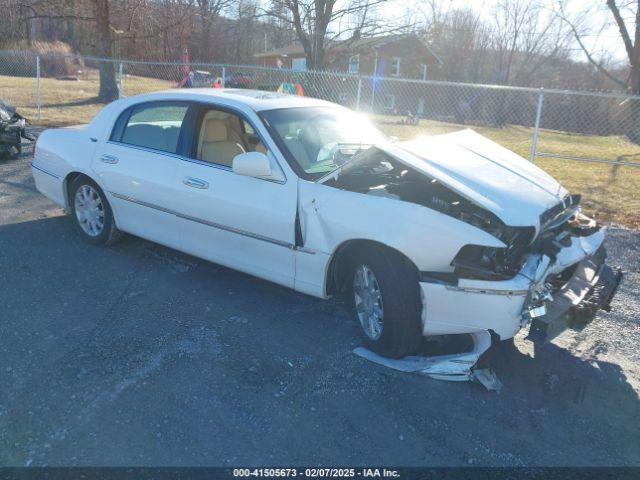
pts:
pixel 569 281
pixel 561 283
pixel 542 263
pixel 548 267
pixel 572 297
pixel 568 278
pixel 577 283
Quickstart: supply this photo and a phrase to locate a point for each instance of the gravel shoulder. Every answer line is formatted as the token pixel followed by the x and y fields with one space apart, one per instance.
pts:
pixel 140 355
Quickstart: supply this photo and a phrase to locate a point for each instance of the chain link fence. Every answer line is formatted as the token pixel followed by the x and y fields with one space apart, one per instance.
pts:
pixel 55 89
pixel 590 141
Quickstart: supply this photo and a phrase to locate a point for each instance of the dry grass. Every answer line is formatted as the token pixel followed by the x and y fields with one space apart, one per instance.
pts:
pixel 610 192
pixel 67 102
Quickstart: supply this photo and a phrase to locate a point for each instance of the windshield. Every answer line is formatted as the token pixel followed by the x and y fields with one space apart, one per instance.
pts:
pixel 321 139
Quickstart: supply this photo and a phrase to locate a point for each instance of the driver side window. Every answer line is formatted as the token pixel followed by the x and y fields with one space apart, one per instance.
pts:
pixel 293 137
pixel 219 138
pixel 222 135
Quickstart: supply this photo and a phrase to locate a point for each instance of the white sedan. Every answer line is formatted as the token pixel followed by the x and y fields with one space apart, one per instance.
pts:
pixel 446 234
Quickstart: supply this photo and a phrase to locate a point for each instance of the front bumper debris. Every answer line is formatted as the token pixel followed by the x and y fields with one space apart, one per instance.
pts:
pixel 458 367
pixel 591 288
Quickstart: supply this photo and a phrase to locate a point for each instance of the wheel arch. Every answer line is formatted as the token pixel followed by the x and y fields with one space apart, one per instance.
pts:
pixel 66 183
pixel 336 280
pixel 70 178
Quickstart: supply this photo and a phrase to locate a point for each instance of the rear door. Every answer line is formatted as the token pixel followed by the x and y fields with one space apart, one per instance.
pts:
pixel 137 165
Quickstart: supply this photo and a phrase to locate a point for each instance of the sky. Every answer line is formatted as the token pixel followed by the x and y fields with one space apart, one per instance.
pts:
pixel 603 37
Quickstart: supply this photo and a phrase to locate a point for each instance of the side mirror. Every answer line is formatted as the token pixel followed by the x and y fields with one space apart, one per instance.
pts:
pixel 252 164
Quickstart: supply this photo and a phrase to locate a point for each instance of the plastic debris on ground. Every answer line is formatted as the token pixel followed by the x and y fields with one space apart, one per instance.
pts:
pixel 457 367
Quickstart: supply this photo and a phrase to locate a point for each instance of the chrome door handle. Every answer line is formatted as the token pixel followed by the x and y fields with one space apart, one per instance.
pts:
pixel 195 183
pixel 112 159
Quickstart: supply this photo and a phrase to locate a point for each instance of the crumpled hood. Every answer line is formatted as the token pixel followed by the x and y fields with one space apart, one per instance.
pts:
pixel 484 172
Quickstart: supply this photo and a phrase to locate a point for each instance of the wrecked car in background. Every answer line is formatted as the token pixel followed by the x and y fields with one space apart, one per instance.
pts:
pixel 12 130
pixel 449 234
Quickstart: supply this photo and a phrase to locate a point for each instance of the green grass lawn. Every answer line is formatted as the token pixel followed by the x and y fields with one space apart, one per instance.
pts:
pixel 611 193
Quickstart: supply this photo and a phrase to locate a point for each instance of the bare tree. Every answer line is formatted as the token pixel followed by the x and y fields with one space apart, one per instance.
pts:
pixel 104 48
pixel 68 12
pixel 244 24
pixel 511 46
pixel 208 11
pixel 626 18
pixel 313 20
pixel 526 36
pixel 581 28
pixel 151 29
pixel 462 38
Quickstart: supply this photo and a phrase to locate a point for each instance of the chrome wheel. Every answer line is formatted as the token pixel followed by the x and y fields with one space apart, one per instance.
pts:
pixel 368 299
pixel 89 210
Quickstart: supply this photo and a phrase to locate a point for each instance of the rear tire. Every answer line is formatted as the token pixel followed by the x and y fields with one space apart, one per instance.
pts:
pixel 91 213
pixel 387 306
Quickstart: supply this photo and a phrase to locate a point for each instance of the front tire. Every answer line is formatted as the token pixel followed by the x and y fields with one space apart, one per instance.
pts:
pixel 91 213
pixel 386 302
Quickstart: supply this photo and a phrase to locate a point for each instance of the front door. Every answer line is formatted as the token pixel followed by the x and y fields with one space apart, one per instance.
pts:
pixel 242 222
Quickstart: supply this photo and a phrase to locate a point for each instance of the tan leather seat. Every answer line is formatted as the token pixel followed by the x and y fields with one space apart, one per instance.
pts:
pixel 260 148
pixel 216 146
pixel 145 135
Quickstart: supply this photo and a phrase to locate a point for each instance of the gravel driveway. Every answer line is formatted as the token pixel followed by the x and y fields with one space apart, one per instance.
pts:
pixel 140 355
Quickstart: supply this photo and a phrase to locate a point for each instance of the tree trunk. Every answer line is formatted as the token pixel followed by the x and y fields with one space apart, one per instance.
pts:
pixel 319 54
pixel 204 47
pixel 205 34
pixel 108 87
pixel 633 127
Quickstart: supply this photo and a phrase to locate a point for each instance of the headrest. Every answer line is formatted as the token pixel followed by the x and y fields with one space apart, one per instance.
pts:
pixel 215 130
pixel 146 135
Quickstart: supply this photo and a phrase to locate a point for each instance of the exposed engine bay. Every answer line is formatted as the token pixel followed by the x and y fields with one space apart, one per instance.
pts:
pixel 378 173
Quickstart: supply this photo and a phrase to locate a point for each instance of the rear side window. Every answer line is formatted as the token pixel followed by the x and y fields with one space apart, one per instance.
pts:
pixel 155 126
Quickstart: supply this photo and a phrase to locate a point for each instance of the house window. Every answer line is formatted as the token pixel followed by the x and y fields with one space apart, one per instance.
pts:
pixel 299 64
pixel 354 63
pixel 424 71
pixel 389 102
pixel 395 67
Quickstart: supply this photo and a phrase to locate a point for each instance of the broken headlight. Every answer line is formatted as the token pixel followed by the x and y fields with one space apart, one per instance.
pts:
pixel 490 263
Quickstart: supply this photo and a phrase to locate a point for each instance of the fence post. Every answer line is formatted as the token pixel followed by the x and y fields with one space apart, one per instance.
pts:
pixel 536 128
pixel 373 92
pixel 120 80
pixel 224 76
pixel 358 94
pixel 38 102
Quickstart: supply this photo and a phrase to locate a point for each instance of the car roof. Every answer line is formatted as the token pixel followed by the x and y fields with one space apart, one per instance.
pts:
pixel 257 100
